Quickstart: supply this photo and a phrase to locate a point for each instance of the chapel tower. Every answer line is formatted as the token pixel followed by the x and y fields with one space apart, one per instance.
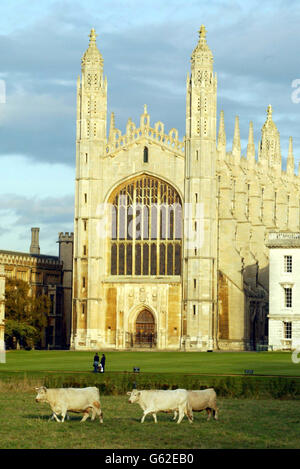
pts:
pixel 90 145
pixel 199 263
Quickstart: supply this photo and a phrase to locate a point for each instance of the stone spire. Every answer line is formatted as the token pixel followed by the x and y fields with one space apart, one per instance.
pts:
pixel 251 146
pixel 92 56
pixel 236 144
pixel 202 53
pixel 222 135
pixel 270 142
pixel 290 164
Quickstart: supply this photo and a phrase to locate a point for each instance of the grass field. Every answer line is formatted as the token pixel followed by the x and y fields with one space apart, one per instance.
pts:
pixel 244 424
pixel 263 363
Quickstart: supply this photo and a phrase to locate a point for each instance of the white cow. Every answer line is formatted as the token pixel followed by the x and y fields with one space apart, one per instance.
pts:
pixel 206 399
pixel 153 401
pixel 77 400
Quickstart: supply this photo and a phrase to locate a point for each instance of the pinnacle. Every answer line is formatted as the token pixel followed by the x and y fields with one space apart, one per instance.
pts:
pixel 222 134
pixel 251 137
pixel 92 53
pixel 270 124
pixel 250 145
pixel 93 36
pixel 202 32
pixel 236 137
pixel 202 50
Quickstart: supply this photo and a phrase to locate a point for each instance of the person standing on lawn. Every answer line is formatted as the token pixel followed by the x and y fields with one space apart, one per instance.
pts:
pixel 96 362
pixel 103 362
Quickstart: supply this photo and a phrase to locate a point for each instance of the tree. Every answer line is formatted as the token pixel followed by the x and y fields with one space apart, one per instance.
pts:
pixel 26 315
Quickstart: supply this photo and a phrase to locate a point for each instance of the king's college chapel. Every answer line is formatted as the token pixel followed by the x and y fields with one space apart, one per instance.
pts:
pixel 170 236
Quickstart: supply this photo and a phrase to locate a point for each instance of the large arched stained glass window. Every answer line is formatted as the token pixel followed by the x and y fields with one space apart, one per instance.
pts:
pixel 146 228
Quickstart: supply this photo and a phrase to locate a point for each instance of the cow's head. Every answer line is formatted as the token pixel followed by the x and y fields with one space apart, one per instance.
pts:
pixel 134 396
pixel 41 394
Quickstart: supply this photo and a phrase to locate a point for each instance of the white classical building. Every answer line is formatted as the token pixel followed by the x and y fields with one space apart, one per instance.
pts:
pixel 284 290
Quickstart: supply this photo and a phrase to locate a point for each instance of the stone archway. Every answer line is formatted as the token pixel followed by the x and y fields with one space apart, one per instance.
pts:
pixel 145 330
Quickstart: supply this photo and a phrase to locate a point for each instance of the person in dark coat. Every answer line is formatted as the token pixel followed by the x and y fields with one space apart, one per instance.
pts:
pixel 103 362
pixel 96 362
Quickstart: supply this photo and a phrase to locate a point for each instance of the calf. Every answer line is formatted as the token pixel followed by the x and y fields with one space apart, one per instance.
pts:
pixel 62 400
pixel 153 401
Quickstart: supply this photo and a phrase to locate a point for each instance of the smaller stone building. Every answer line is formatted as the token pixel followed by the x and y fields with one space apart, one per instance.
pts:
pixel 284 290
pixel 50 275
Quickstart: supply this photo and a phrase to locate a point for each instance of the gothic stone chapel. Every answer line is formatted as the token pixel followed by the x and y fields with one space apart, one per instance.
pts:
pixel 169 235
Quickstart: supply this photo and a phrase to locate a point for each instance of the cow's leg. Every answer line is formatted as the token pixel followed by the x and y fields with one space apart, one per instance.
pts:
pixel 63 414
pixel 85 415
pixel 216 413
pixel 94 413
pixel 181 414
pixel 146 412
pixel 208 410
pixel 54 416
pixel 100 416
pixel 175 415
pixel 154 417
pixel 189 413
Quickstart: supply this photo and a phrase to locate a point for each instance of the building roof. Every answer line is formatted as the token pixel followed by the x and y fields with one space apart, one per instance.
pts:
pixel 283 240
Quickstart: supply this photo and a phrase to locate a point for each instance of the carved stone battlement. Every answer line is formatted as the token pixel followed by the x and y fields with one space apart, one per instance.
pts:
pixel 65 237
pixel 156 134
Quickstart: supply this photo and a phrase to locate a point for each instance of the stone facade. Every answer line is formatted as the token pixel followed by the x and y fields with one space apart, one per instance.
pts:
pixel 214 293
pixel 50 275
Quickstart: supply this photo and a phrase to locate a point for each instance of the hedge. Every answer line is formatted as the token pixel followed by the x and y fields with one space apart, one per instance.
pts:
pixel 119 383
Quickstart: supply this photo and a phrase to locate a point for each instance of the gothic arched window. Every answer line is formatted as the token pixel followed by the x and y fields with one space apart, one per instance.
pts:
pixel 146 228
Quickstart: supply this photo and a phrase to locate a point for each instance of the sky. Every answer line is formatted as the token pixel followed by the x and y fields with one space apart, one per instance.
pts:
pixel 146 46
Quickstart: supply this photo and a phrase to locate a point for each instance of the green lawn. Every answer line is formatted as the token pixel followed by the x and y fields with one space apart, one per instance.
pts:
pixel 223 363
pixel 244 424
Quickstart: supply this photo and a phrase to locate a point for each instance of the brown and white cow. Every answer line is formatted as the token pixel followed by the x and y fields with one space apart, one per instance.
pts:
pixel 205 399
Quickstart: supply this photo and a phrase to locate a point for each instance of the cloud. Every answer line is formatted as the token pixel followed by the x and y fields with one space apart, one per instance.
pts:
pixel 146 54
pixel 146 48
pixel 35 211
pixel 18 214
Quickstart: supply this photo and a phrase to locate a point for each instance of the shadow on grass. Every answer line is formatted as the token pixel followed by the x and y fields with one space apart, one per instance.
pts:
pixel 48 418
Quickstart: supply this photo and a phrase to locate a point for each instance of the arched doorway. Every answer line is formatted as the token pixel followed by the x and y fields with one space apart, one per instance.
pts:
pixel 145 332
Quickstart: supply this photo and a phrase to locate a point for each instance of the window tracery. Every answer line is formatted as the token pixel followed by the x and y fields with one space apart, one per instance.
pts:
pixel 146 229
